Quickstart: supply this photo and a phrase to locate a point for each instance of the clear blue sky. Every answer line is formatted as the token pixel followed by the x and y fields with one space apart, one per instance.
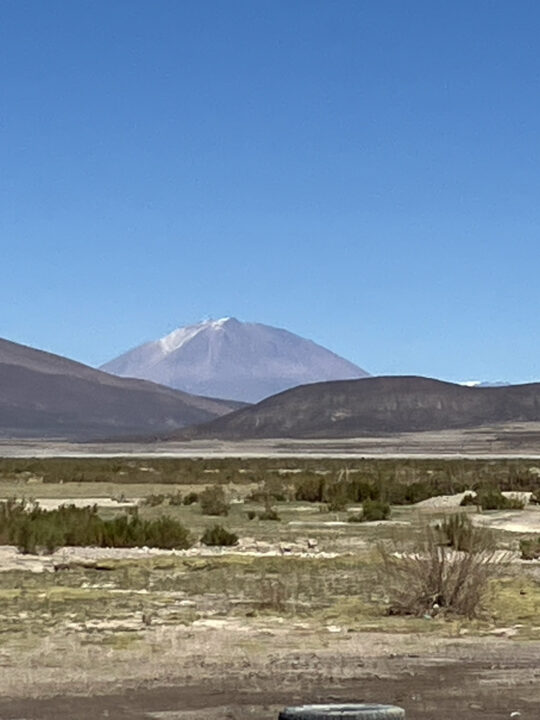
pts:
pixel 363 173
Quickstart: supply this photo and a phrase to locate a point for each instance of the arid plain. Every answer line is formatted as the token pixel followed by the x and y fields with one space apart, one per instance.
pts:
pixel 299 609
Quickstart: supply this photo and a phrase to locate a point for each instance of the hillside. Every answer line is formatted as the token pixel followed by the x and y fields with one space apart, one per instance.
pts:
pixel 231 359
pixel 46 395
pixel 375 406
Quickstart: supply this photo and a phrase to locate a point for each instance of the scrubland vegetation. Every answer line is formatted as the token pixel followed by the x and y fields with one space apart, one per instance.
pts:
pixel 399 481
pixel 320 543
pixel 31 529
pixel 118 568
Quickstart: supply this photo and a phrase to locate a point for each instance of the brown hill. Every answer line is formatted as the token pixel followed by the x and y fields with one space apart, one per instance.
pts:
pixel 378 405
pixel 46 395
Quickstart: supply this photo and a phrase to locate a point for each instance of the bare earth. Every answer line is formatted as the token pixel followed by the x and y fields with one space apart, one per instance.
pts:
pixel 508 440
pixel 237 671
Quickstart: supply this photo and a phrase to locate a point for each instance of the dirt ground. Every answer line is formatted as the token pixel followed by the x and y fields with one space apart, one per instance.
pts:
pixel 505 440
pixel 488 681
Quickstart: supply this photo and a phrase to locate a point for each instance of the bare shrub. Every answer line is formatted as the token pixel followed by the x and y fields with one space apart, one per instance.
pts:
pixel 439 579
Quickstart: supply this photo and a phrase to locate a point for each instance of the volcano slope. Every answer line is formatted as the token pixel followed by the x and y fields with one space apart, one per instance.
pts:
pixel 46 395
pixel 374 406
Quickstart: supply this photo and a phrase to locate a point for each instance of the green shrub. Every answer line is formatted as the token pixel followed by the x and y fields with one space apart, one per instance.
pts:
pixel 309 488
pixel 213 501
pixel 530 548
pixel 217 535
pixel 372 510
pixel 360 490
pixel 191 498
pixel 493 499
pixel 375 510
pixel 337 495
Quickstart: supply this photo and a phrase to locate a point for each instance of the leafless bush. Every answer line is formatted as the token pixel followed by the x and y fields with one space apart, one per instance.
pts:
pixel 436 579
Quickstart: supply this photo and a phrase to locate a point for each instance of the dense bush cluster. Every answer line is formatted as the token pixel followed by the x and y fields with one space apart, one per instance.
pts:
pixel 31 529
pixel 490 498
pixel 399 482
pixel 372 511
pixel 347 489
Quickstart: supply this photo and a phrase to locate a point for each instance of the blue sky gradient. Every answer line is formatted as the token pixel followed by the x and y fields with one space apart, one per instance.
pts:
pixel 366 174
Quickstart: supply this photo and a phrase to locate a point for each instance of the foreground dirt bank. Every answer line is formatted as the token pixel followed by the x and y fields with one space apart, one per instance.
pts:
pixel 444 689
pixel 213 673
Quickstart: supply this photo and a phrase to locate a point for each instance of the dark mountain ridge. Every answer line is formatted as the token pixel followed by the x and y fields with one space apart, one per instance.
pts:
pixel 376 405
pixel 46 395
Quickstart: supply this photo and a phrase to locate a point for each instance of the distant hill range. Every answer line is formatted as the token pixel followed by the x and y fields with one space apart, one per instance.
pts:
pixel 375 406
pixel 46 395
pixel 231 359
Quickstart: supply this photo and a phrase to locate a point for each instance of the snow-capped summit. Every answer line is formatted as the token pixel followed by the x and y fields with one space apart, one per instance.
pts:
pixel 484 383
pixel 230 359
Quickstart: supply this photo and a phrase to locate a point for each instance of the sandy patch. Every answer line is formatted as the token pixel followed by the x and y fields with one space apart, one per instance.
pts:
pixel 12 559
pixel 104 502
pixel 519 521
pixel 444 501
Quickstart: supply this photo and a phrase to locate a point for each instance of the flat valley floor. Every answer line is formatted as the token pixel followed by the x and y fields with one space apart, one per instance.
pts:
pixel 290 616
